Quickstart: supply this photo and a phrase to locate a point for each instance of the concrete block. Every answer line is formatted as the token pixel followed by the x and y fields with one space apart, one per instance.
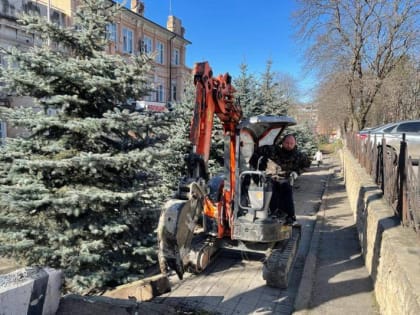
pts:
pixel 142 290
pixel 31 290
pixel 73 304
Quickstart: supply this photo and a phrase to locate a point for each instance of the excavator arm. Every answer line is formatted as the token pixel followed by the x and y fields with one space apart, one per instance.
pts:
pixel 213 97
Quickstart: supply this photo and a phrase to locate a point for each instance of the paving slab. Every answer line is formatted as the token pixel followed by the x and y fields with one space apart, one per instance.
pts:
pixel 233 283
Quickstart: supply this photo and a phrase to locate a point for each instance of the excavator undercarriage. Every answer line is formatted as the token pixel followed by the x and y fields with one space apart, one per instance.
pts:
pixel 185 246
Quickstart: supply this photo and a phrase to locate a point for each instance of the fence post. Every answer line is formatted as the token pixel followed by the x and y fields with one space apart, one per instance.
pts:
pixel 402 174
pixel 380 165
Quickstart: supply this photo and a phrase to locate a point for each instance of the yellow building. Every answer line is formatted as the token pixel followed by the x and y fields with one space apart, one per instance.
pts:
pixel 131 33
pixel 11 35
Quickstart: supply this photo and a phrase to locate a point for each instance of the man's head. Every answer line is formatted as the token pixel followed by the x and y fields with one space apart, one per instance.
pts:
pixel 289 142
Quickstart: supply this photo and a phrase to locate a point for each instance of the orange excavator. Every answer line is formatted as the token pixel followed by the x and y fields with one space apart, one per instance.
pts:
pixel 231 210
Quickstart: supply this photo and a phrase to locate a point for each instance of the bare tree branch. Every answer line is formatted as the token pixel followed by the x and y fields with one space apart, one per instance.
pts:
pixel 363 39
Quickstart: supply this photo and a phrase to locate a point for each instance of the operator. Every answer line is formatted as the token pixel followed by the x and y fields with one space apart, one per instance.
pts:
pixel 288 160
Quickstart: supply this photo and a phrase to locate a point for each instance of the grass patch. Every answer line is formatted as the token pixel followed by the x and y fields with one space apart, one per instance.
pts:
pixel 328 148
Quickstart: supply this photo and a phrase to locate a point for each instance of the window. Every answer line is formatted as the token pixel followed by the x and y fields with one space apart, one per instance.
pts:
pixel 173 91
pixel 160 93
pixel 58 18
pixel 150 96
pixel 409 127
pixel 3 133
pixel 147 45
pixel 52 112
pixel 31 8
pixel 389 129
pixel 160 53
pixel 111 32
pixel 127 41
pixel 175 57
pixel 3 60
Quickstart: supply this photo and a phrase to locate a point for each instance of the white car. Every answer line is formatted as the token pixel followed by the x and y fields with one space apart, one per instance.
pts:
pixel 393 134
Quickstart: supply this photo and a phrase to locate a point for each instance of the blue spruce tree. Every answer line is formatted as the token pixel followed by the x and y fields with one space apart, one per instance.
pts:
pixel 80 188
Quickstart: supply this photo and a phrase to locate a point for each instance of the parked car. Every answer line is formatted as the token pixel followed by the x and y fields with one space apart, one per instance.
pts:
pixel 364 133
pixel 393 133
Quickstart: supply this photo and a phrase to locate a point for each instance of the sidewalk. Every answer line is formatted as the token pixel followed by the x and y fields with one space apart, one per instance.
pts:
pixel 233 284
pixel 335 280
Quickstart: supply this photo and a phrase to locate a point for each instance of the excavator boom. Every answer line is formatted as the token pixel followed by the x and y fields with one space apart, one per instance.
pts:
pixel 213 97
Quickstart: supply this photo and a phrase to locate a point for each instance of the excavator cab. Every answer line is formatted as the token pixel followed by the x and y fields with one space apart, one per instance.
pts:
pixel 254 221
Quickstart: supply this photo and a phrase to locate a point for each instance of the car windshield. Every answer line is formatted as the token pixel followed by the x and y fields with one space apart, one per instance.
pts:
pixel 388 129
pixel 383 128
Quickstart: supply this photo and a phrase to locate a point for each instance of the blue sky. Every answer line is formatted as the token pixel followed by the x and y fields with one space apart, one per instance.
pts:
pixel 228 32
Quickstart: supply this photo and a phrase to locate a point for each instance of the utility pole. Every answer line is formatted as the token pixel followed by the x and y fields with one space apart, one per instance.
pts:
pixel 48 11
pixel 48 19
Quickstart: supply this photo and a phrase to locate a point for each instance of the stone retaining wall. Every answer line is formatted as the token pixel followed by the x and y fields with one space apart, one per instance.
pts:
pixel 391 252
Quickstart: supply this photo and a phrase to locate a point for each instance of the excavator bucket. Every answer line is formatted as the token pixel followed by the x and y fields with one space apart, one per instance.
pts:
pixel 176 229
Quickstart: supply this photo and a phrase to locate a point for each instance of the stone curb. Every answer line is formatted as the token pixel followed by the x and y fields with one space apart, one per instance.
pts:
pixel 304 294
pixel 391 252
pixel 131 298
pixel 34 291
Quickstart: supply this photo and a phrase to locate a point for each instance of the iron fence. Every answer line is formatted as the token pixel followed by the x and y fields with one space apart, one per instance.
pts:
pixel 393 172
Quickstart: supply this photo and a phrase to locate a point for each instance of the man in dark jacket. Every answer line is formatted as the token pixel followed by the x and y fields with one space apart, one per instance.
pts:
pixel 288 162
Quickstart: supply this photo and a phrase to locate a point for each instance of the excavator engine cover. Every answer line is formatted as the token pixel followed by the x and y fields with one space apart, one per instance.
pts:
pixel 264 231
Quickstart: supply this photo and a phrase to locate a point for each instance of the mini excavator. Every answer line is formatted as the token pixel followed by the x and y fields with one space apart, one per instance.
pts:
pixel 231 210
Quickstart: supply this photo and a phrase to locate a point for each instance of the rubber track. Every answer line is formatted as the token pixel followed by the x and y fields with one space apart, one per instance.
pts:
pixel 279 264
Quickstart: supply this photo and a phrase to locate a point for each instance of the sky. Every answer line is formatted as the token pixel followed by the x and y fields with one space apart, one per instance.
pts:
pixel 227 33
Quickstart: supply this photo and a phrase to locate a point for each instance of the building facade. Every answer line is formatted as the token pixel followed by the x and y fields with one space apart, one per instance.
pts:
pixel 130 33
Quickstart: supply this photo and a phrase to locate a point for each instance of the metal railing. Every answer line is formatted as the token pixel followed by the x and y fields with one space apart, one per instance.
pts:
pixel 393 172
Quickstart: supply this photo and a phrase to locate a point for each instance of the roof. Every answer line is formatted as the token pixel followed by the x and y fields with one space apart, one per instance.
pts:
pixel 259 124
